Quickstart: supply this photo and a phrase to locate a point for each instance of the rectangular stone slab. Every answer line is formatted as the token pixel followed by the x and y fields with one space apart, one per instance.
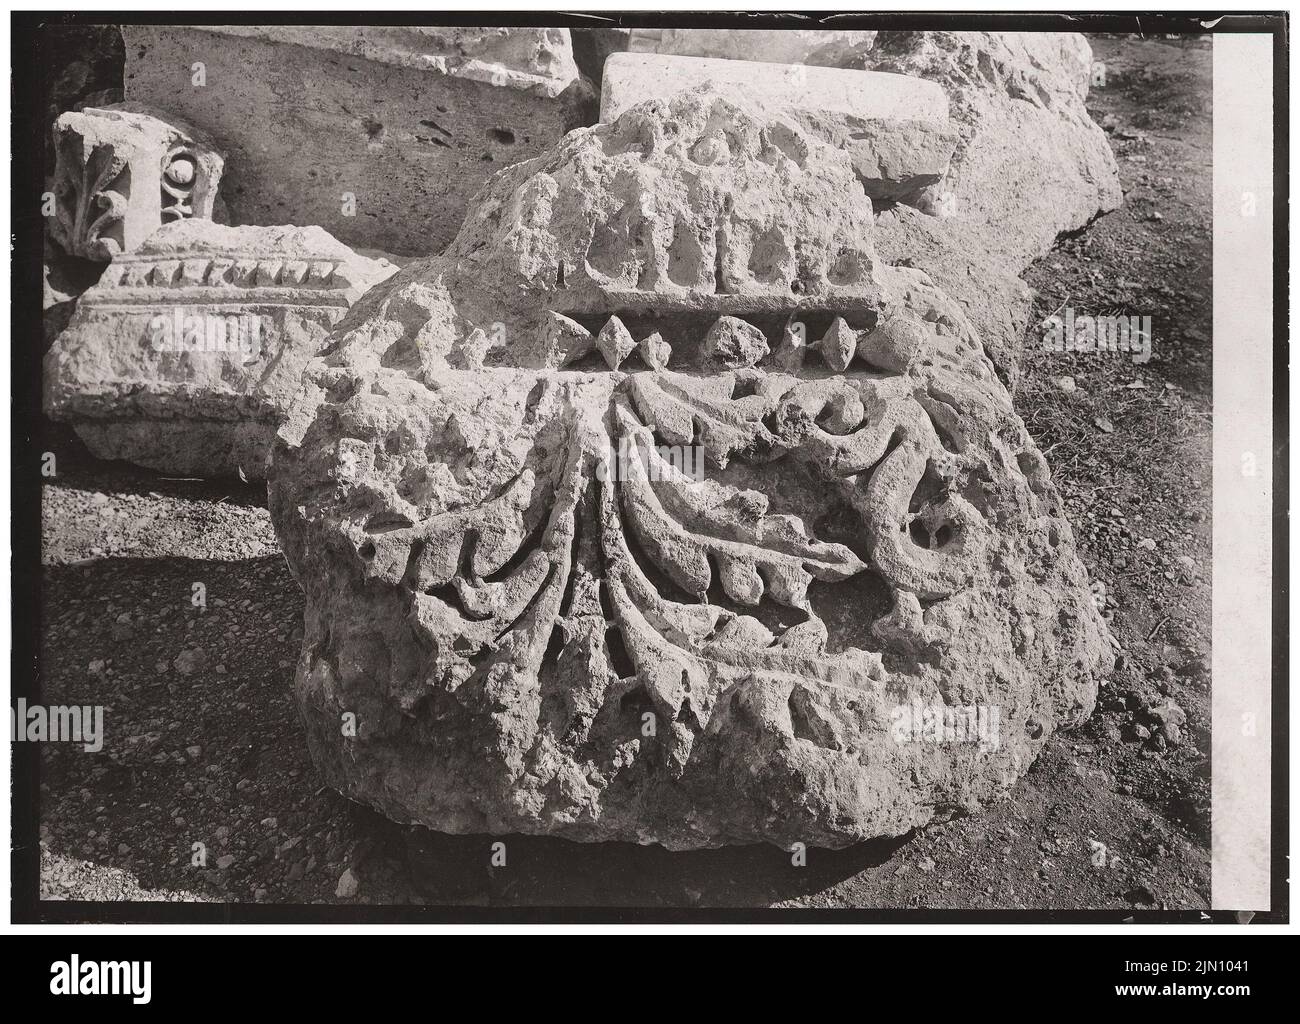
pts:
pixel 410 134
pixel 823 47
pixel 631 78
pixel 533 60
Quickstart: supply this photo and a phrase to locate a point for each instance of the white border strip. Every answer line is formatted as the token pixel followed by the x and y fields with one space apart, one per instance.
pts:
pixel 1241 740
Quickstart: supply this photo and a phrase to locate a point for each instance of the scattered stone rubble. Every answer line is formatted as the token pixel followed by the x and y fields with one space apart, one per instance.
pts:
pixel 673 495
pixel 974 148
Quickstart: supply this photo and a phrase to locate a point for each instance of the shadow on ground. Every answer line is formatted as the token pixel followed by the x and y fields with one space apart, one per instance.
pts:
pixel 203 745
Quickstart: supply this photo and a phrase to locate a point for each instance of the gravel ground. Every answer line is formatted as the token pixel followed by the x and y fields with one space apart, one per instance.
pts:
pixel 203 789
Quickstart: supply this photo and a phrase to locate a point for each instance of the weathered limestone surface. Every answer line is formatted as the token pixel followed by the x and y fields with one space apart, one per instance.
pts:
pixel 894 127
pixel 958 256
pixel 548 617
pixel 1028 161
pixel 630 78
pixel 408 122
pixel 185 353
pixel 818 47
pixel 123 171
pixel 1031 162
pixel 534 60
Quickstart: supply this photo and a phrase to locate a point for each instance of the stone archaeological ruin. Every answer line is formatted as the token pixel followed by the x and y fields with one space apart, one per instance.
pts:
pixel 541 626
pixel 122 172
pixel 184 354
pixel 680 498
pixel 408 120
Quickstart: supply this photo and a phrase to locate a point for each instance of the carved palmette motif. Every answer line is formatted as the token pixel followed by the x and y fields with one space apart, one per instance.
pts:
pixel 121 172
pixel 680 562
pixel 92 195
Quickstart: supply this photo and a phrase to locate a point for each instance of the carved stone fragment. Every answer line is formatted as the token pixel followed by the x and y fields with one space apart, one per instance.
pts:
pixel 185 353
pixel 614 342
pixel 733 344
pixel 963 201
pixel 1008 93
pixel 121 172
pixel 895 127
pixel 379 134
pixel 721 601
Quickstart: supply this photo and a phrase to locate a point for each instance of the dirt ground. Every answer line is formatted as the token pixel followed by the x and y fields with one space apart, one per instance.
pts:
pixel 204 789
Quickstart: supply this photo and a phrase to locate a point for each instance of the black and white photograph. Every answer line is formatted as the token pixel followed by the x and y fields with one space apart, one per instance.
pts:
pixel 649 467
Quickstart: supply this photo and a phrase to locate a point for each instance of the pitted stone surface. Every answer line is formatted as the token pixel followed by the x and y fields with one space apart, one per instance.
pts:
pixel 548 617
pixel 380 135
pixel 1031 162
pixel 894 127
pixel 1030 165
pixel 185 353
pixel 1019 162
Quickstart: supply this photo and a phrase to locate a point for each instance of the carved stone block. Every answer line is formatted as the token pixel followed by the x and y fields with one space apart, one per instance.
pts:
pixel 994 211
pixel 631 78
pixel 185 353
pixel 894 127
pixel 380 135
pixel 1012 94
pixel 1031 164
pixel 661 509
pixel 122 172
